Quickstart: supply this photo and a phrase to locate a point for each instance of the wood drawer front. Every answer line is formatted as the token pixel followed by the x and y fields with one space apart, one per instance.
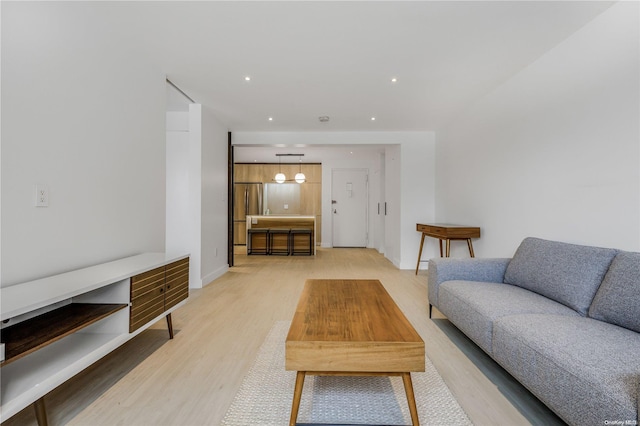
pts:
pixel 178 271
pixel 140 318
pixel 155 291
pixel 146 308
pixel 147 297
pixel 148 281
pixel 177 283
pixel 176 296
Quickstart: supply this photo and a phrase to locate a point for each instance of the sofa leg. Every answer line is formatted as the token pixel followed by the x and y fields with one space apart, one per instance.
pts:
pixel 430 309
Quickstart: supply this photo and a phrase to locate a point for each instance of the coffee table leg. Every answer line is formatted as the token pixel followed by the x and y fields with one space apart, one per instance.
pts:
pixel 297 394
pixel 411 399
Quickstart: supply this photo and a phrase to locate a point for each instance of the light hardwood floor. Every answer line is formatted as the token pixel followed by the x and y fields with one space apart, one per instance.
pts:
pixel 192 379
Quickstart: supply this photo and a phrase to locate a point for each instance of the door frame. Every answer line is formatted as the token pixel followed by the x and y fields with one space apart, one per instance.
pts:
pixel 230 209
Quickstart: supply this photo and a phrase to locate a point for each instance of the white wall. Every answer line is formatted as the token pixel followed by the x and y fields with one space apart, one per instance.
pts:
pixel 555 151
pixel 195 195
pixel 417 183
pixel 214 198
pixel 410 183
pixel 178 228
pixel 84 114
pixel 197 192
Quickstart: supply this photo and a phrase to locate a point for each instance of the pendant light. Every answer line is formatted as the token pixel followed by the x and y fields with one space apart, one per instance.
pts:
pixel 300 177
pixel 280 177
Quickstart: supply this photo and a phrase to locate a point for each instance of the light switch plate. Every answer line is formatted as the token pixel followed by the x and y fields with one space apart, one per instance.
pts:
pixel 42 196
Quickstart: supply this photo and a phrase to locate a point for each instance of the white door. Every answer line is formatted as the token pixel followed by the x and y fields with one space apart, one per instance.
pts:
pixel 349 200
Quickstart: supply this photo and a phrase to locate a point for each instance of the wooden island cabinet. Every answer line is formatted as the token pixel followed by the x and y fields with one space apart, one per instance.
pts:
pixel 290 222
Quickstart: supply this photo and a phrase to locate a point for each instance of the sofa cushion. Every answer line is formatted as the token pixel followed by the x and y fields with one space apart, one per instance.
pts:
pixel 567 273
pixel 474 306
pixel 443 269
pixel 618 298
pixel 585 370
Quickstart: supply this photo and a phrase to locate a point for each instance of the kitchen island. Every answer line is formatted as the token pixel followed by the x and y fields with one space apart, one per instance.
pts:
pixel 285 222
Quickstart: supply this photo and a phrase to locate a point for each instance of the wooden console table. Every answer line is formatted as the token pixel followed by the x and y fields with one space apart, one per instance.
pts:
pixel 55 327
pixel 447 233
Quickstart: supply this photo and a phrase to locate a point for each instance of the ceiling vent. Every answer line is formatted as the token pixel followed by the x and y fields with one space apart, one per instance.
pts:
pixel 323 118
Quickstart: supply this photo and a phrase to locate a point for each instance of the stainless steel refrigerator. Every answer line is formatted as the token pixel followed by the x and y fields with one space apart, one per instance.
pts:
pixel 247 200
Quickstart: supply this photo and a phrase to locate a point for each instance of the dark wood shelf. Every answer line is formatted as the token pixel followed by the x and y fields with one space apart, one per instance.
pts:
pixel 35 333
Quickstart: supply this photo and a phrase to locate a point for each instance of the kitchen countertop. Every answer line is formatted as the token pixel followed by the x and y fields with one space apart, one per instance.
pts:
pixel 281 216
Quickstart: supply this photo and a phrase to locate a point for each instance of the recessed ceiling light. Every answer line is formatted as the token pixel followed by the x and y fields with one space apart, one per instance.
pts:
pixel 373 119
pixel 247 78
pixel 270 119
pixel 394 80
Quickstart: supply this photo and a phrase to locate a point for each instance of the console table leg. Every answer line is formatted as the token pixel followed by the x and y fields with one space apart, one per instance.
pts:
pixel 440 244
pixel 41 412
pixel 420 253
pixel 170 325
pixel 448 247
pixel 411 399
pixel 470 247
pixel 297 395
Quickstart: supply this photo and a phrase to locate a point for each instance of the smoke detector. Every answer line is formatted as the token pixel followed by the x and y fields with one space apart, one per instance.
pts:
pixel 323 118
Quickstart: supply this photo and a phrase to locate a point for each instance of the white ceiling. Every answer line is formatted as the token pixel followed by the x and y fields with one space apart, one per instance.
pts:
pixel 308 59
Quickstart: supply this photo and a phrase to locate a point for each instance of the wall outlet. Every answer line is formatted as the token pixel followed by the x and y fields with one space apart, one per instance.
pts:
pixel 42 196
pixel 286 206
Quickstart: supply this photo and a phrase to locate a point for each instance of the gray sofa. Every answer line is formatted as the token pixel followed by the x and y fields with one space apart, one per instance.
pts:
pixel 563 319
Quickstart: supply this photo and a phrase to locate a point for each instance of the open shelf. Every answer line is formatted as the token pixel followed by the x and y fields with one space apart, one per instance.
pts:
pixel 35 333
pixel 33 376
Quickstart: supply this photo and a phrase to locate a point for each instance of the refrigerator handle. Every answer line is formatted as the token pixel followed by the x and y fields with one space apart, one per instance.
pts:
pixel 246 201
pixel 260 211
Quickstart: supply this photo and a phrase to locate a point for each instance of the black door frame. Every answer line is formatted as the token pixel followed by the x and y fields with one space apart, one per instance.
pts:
pixel 230 230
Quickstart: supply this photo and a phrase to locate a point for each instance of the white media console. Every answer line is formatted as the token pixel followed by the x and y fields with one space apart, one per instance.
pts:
pixel 55 327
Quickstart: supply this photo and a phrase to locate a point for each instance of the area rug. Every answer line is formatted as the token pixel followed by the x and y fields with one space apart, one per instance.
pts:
pixel 265 396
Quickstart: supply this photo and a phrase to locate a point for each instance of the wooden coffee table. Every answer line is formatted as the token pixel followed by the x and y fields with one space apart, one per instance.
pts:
pixel 351 328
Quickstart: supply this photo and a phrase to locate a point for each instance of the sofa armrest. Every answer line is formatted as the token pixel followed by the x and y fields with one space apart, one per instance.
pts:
pixel 474 269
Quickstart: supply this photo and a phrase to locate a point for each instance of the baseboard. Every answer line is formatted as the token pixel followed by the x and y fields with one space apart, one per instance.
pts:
pixel 207 279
